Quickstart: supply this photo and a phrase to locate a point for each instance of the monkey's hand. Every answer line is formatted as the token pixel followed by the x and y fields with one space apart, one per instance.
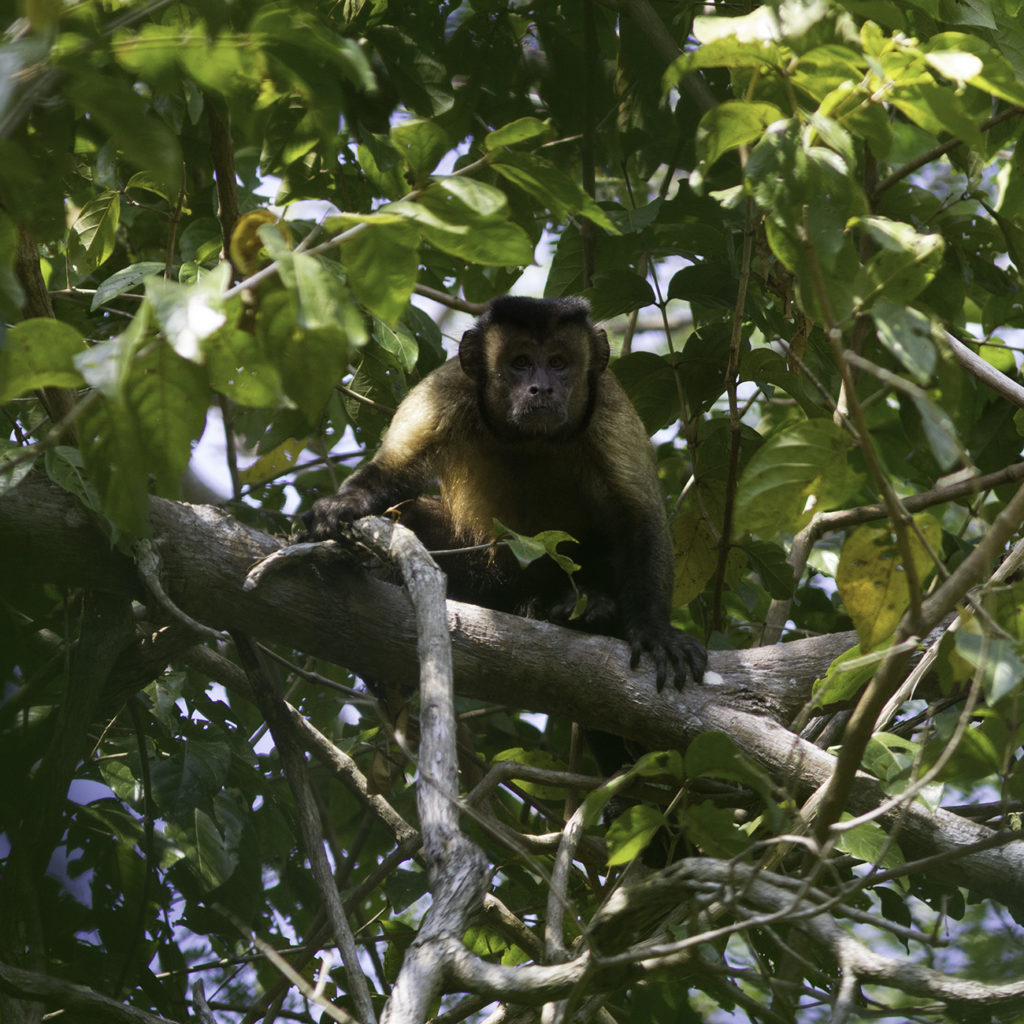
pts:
pixel 675 654
pixel 599 613
pixel 322 521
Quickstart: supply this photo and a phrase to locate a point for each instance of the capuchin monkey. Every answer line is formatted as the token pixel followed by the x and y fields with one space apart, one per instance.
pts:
pixel 529 427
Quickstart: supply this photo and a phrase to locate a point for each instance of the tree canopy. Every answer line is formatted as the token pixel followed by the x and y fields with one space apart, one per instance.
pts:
pixel 802 223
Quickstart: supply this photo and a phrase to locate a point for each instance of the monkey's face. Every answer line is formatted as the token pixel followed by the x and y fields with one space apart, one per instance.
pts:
pixel 535 389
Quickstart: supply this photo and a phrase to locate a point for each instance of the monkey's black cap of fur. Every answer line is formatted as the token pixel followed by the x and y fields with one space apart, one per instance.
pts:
pixel 530 312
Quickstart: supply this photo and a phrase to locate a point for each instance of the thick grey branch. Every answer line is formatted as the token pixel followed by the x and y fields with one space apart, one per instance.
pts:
pixel 345 616
pixel 458 870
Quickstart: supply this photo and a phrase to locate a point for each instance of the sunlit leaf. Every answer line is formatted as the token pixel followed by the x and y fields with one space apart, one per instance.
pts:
pixel 903 265
pixel 189 314
pixel 798 472
pixel 871 844
pixel 631 833
pixel 733 124
pixel 525 129
pixel 39 353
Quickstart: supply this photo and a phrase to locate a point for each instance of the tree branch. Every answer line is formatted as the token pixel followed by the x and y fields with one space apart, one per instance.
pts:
pixel 756 897
pixel 457 868
pixel 297 772
pixel 43 988
pixel 344 615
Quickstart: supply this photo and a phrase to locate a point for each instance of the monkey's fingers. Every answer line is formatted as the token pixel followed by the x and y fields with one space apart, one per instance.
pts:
pixel 644 643
pixel 323 521
pixel 693 656
pixel 673 652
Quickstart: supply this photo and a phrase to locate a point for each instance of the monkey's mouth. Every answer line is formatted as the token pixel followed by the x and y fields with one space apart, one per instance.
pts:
pixel 539 417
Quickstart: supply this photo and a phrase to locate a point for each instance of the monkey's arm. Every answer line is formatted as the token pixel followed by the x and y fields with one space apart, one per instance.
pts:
pixel 403 467
pixel 643 560
pixel 646 576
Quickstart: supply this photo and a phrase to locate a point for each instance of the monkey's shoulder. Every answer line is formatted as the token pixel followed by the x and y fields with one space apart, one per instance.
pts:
pixel 440 406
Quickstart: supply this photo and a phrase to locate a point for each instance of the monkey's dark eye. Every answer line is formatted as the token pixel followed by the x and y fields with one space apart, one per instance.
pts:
pixel 558 362
pixel 520 363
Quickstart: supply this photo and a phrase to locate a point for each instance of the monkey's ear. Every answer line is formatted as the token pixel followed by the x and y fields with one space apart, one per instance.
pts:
pixel 471 353
pixel 600 350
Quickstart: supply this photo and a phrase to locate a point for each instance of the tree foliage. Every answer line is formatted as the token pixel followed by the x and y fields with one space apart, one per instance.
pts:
pixel 805 225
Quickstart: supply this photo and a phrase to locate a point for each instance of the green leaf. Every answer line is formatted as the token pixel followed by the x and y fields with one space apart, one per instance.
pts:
pixel 422 143
pixel 550 187
pixel 529 549
pixel 96 228
pixel 996 661
pixel 482 201
pixel 968 58
pixel 905 263
pixel 937 110
pixel 892 758
pixel 190 314
pixel 727 52
pixel 39 353
pixel 12 297
pixel 125 116
pixel 525 129
pixel 15 464
pixel 631 833
pixel 192 777
pixel 940 431
pixel 732 124
pixel 115 460
pixel 145 429
pixel 715 755
pixel 908 335
pixel 401 343
pixel 808 195
pixel 845 678
pixel 618 292
pixel 468 222
pixel 794 474
pixel 274 463
pixel 322 301
pixel 211 857
pixel 124 280
pixel 536 759
pixel 871 844
pixel 381 264
pixel 775 573
pixel 713 829
pixel 105 366
pixel 806 191
pixel 651 384
pixel 66 468
pixel 238 369
pixel 695 549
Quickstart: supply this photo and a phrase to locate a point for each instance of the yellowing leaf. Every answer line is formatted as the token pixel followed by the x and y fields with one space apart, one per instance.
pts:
pixel 872 581
pixel 248 253
pixel 696 554
pixel 274 463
